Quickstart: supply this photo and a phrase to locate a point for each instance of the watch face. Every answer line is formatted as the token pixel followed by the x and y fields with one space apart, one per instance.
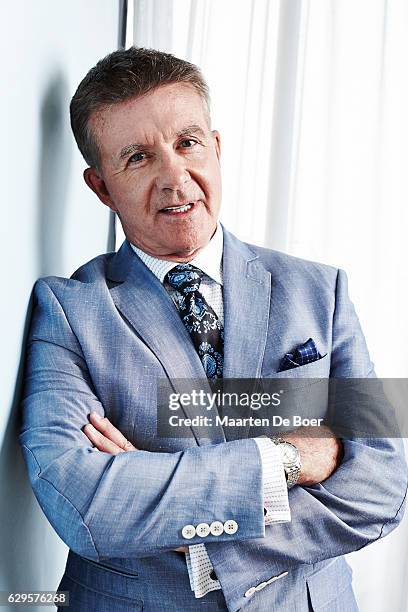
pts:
pixel 289 453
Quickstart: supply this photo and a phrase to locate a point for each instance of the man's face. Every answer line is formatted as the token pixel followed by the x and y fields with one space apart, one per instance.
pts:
pixel 160 170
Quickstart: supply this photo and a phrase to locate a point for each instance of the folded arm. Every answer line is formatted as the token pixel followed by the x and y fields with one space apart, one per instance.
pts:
pixel 136 504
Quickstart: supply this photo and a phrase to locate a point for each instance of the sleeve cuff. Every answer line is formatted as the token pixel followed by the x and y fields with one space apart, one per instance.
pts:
pixel 276 502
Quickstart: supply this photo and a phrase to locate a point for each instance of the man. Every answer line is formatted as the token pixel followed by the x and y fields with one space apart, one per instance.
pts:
pixel 200 522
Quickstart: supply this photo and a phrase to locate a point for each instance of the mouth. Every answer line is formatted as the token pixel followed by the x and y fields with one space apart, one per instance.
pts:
pixel 180 209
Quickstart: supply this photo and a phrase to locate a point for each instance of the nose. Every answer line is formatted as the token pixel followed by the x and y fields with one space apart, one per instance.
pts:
pixel 172 173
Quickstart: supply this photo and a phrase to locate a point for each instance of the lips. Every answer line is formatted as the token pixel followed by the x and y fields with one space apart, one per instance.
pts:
pixel 178 209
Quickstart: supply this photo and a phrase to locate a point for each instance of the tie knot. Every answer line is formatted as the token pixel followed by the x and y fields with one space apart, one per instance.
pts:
pixel 184 278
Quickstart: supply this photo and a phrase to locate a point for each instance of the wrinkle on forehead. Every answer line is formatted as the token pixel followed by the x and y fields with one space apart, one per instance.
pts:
pixel 180 102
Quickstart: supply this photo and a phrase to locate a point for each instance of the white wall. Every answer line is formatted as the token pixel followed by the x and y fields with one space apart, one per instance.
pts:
pixel 51 223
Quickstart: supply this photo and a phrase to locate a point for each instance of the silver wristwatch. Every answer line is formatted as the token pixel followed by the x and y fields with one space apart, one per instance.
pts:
pixel 291 460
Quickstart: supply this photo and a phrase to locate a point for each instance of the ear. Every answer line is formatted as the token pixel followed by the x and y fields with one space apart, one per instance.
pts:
pixel 217 143
pixel 98 186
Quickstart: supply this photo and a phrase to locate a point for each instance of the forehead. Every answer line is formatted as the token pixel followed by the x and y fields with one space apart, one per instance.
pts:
pixel 156 116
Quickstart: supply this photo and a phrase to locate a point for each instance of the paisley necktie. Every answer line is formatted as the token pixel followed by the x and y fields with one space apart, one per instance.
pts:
pixel 199 318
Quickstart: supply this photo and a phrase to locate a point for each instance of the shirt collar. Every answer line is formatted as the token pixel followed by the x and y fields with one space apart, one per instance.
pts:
pixel 209 259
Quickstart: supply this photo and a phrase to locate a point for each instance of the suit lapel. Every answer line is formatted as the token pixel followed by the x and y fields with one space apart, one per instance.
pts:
pixel 148 308
pixel 247 295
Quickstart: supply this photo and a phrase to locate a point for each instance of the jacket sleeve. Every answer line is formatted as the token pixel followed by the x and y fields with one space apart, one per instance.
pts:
pixel 133 504
pixel 362 501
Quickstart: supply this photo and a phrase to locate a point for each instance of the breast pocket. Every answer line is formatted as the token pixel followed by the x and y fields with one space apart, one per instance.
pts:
pixel 303 396
pixel 315 369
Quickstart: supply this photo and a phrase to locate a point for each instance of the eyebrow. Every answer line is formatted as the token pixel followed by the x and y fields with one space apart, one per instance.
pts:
pixel 136 147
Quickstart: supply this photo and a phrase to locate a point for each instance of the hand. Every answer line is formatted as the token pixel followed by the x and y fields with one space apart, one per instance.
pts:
pixel 319 456
pixel 106 437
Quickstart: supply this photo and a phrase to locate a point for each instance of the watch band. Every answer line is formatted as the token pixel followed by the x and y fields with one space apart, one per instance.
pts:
pixel 292 467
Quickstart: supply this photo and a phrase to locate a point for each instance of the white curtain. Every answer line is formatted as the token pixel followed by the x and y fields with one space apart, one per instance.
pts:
pixel 311 99
pixel 348 206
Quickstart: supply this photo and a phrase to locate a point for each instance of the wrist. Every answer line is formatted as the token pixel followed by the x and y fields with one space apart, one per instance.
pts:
pixel 290 456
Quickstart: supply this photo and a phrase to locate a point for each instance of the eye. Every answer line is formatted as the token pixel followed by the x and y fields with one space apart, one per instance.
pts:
pixel 188 143
pixel 137 157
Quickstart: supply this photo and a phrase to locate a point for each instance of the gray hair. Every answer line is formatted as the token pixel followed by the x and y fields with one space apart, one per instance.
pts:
pixel 123 75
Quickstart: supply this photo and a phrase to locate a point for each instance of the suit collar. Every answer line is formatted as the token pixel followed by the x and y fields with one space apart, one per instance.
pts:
pixel 121 264
pixel 209 260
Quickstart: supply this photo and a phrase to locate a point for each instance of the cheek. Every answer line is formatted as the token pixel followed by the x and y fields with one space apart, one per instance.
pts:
pixel 131 195
pixel 214 180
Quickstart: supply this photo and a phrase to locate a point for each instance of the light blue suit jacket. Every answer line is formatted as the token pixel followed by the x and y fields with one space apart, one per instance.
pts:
pixel 99 341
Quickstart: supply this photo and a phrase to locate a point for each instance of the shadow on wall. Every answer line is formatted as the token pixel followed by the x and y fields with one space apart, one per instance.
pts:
pixel 32 556
pixel 53 176
pixel 18 508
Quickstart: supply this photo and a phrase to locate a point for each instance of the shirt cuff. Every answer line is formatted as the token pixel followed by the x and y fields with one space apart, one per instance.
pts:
pixel 275 490
pixel 200 571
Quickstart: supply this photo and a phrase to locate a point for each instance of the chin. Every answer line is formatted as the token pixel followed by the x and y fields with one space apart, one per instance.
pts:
pixel 186 251
pixel 191 243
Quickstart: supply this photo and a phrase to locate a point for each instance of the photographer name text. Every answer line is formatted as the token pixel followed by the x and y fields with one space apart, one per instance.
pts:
pixel 251 421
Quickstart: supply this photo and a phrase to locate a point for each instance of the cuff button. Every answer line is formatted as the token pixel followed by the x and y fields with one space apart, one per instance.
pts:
pixel 188 532
pixel 230 527
pixel 216 528
pixel 203 530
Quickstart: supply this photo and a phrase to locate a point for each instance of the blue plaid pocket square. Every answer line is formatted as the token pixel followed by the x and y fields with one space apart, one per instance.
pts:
pixel 301 355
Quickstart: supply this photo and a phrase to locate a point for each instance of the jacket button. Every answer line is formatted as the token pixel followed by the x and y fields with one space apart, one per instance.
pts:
pixel 213 575
pixel 188 532
pixel 216 528
pixel 203 530
pixel 230 527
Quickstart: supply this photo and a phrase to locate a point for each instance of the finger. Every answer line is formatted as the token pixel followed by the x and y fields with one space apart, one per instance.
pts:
pixel 103 425
pixel 100 441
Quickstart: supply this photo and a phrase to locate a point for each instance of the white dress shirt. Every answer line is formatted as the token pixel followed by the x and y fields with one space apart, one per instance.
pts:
pixel 276 503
